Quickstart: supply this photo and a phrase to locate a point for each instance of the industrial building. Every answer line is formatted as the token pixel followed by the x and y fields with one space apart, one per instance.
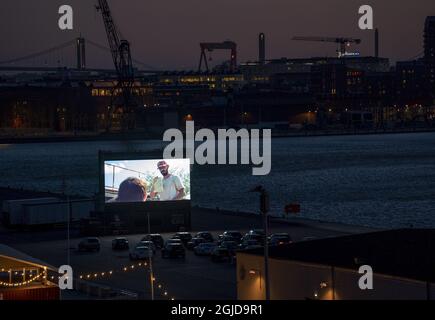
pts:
pixel 429 53
pixel 344 92
pixel 402 261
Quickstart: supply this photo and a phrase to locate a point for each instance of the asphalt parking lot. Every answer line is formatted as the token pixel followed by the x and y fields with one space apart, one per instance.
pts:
pixel 190 278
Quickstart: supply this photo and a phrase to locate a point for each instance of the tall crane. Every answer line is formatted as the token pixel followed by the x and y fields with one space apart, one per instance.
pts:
pixel 211 46
pixel 341 41
pixel 121 55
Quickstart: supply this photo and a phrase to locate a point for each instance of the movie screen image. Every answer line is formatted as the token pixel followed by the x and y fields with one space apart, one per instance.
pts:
pixel 146 180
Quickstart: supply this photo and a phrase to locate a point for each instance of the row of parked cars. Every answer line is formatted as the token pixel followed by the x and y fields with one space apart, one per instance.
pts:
pixel 231 241
pixel 227 243
pixel 202 244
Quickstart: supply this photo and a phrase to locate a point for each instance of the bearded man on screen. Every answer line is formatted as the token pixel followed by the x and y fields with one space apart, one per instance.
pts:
pixel 171 189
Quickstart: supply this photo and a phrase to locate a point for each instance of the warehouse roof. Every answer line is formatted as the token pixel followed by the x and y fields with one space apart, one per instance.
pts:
pixel 407 253
pixel 10 254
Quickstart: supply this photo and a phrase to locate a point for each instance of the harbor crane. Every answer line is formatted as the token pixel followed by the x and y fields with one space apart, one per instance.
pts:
pixel 211 46
pixel 121 55
pixel 343 42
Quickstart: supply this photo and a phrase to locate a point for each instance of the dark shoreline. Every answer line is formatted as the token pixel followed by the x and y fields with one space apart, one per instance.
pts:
pixel 143 136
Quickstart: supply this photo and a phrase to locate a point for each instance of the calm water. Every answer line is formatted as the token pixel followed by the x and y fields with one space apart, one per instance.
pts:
pixel 378 180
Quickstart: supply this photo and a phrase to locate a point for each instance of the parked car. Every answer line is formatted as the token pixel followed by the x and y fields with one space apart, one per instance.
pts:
pixel 204 249
pixel 278 239
pixel 231 246
pixel 149 244
pixel 120 244
pixel 173 250
pixel 253 237
pixel 233 234
pixel 173 240
pixel 194 242
pixel 257 231
pixel 248 244
pixel 227 238
pixel 141 253
pixel 220 254
pixel 207 236
pixel 185 237
pixel 89 244
pixel 156 238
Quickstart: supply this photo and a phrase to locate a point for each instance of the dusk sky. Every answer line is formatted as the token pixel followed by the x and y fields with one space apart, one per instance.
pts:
pixel 166 33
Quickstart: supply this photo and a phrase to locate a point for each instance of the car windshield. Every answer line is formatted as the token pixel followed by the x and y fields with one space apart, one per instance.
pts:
pixel 259 232
pixel 280 237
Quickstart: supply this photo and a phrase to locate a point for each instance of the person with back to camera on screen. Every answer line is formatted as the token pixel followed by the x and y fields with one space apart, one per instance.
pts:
pixel 172 188
pixel 132 190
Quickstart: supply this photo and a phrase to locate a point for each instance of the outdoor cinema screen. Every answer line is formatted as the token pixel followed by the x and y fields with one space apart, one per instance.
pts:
pixel 146 180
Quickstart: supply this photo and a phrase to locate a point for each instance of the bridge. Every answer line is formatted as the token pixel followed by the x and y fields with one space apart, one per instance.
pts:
pixel 67 56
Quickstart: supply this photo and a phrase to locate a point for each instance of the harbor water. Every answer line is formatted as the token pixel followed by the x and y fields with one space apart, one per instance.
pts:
pixel 385 180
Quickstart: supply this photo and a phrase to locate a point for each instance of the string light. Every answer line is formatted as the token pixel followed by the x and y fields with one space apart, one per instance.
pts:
pixel 20 284
pixel 126 269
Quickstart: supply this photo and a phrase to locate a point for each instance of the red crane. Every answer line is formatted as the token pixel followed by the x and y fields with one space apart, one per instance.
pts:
pixel 341 41
pixel 211 46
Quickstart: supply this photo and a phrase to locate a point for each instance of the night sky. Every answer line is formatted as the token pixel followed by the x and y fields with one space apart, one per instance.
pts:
pixel 165 34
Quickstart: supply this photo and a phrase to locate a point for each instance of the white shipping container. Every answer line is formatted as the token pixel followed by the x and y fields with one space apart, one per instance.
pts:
pixel 53 213
pixel 14 209
pixel 82 209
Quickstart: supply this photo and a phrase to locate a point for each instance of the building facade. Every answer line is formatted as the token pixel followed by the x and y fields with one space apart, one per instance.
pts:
pixel 402 263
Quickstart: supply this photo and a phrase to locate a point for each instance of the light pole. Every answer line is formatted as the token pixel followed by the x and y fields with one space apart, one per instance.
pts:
pixel 264 208
pixel 150 260
pixel 68 227
pixel 68 202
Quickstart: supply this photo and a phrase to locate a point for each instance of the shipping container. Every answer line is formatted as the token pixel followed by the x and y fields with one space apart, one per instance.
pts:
pixel 12 210
pixel 57 213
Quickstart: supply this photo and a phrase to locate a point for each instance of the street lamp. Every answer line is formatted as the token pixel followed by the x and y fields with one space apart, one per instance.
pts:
pixel 152 279
pixel 264 209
